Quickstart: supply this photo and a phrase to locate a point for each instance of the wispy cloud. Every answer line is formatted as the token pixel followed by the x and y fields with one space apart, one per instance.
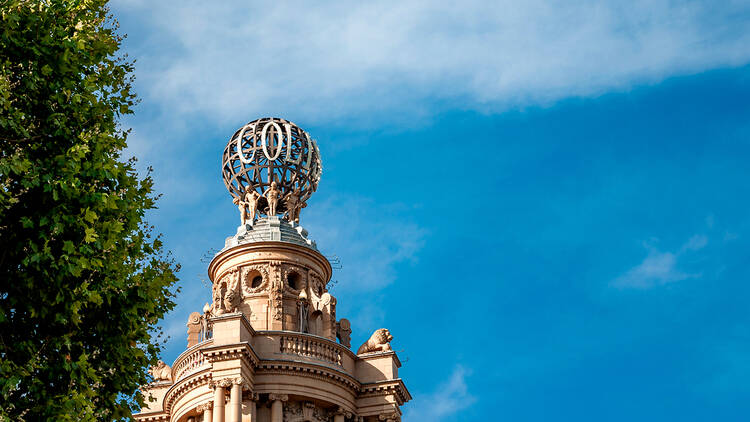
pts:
pixel 368 240
pixel 234 60
pixel 660 267
pixel 448 398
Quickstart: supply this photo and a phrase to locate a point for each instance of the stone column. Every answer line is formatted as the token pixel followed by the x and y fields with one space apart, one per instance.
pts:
pixel 208 414
pixel 235 401
pixel 219 399
pixel 205 410
pixel 277 406
pixel 250 407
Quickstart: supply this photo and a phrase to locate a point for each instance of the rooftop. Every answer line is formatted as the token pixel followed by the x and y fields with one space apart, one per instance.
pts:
pixel 270 229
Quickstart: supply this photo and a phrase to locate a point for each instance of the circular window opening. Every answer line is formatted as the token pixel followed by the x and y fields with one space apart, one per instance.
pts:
pixel 257 281
pixel 293 280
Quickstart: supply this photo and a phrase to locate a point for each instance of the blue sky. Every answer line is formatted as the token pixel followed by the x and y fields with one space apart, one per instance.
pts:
pixel 545 202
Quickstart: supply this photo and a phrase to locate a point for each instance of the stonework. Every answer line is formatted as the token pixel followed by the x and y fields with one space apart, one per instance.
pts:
pixel 266 349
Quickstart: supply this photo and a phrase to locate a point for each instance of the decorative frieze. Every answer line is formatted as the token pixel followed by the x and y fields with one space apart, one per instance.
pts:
pixel 305 412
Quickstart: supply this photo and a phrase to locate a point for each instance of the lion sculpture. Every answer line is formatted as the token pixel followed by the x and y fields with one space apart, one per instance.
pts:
pixel 380 341
pixel 161 372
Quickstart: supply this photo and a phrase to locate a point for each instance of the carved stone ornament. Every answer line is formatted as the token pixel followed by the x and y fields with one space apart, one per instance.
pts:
pixel 204 407
pixel 248 274
pixel 305 412
pixel 380 341
pixel 341 411
pixel 268 151
pixel 390 417
pixel 161 372
pixel 286 271
pixel 221 383
pixel 274 397
pixel 226 293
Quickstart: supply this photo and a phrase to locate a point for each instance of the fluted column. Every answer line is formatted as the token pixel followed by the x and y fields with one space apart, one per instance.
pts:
pixel 235 401
pixel 250 407
pixel 277 406
pixel 208 414
pixel 220 399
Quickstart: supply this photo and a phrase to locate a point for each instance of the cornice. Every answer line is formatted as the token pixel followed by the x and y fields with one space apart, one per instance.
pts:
pixel 269 246
pixel 297 368
pixel 225 352
pixel 394 387
pixel 377 355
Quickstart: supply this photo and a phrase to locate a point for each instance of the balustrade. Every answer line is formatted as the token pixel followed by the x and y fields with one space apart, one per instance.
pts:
pixel 190 361
pixel 311 347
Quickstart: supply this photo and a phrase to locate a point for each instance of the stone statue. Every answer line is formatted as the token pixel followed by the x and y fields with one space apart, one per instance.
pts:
pixel 344 332
pixel 248 205
pixel 161 372
pixel 251 202
pixel 273 194
pixel 205 325
pixel 380 341
pixel 293 205
pixel 303 312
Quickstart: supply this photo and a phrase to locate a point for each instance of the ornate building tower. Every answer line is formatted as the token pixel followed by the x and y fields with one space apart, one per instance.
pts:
pixel 266 349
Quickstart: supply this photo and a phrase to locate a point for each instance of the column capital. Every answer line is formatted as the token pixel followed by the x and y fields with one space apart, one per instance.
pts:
pixel 341 411
pixel 249 395
pixel 241 381
pixel 389 417
pixel 223 383
pixel 274 397
pixel 203 407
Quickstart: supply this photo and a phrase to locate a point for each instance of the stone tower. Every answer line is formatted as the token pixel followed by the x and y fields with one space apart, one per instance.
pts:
pixel 269 348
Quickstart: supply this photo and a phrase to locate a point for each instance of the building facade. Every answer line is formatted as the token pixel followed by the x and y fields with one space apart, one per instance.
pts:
pixel 270 348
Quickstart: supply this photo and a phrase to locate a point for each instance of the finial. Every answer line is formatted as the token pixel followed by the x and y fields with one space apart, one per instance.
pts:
pixel 271 166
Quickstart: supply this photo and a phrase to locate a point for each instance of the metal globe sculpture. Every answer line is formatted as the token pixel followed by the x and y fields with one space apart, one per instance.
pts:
pixel 271 166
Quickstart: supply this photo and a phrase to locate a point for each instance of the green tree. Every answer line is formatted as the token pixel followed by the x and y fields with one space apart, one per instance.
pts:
pixel 83 280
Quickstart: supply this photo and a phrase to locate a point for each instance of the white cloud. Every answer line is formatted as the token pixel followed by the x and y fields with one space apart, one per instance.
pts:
pixel 448 398
pixel 235 60
pixel 659 268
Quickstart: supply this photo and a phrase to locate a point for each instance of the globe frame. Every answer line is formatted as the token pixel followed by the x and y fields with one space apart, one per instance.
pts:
pixel 271 149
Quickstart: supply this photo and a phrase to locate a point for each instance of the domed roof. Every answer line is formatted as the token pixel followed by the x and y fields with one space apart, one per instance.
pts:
pixel 270 229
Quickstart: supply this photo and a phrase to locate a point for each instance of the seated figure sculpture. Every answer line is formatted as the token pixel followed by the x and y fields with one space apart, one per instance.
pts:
pixel 161 372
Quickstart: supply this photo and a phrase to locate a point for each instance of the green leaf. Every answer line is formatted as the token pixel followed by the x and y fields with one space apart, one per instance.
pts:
pixel 90 235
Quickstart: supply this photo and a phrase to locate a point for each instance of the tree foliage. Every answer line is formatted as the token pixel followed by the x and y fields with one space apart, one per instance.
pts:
pixel 83 280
